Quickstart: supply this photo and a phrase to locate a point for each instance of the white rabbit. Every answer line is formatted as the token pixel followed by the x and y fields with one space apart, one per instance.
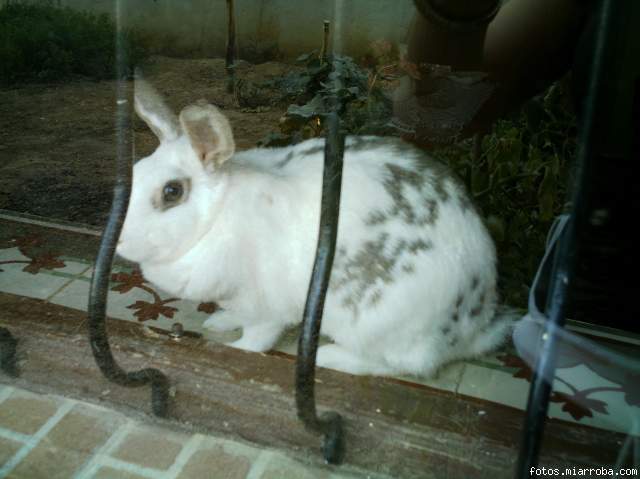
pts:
pixel 414 278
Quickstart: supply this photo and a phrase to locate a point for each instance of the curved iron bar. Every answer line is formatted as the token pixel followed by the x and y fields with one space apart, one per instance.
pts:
pixel 102 269
pixel 330 424
pixel 8 353
pixel 564 263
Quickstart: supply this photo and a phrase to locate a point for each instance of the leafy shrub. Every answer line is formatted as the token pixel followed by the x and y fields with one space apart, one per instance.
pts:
pixel 312 91
pixel 520 180
pixel 43 42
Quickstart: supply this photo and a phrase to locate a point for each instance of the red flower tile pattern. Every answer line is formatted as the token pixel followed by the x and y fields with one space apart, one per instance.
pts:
pixel 632 389
pixel 127 281
pixel 577 403
pixel 516 362
pixel 48 261
pixel 208 308
pixel 38 260
pixel 145 310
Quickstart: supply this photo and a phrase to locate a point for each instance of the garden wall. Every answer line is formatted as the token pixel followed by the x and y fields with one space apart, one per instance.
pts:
pixel 265 28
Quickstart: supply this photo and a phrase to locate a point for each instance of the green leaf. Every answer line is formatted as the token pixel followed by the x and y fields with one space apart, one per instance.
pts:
pixel 547 195
pixel 275 140
pixel 307 111
pixel 479 180
pixel 305 57
pixel 535 115
pixel 496 227
pixel 555 165
pixel 534 160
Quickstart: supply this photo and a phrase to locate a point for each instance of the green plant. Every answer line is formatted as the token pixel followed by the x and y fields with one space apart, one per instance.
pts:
pixel 366 109
pixel 520 181
pixel 43 42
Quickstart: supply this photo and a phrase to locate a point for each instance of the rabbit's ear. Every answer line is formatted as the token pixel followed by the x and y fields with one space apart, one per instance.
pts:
pixel 209 132
pixel 156 114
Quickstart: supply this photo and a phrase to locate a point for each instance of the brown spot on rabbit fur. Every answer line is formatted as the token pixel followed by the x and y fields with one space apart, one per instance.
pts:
pixel 312 151
pixel 374 263
pixel 419 245
pixel 376 217
pixel 475 312
pixel 358 143
pixel 479 307
pixel 425 175
pixel 455 316
pixel 375 297
pixel 283 162
pixel 434 173
pixel 459 301
pixel 408 268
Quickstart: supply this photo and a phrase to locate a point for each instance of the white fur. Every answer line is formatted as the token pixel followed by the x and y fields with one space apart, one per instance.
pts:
pixel 246 239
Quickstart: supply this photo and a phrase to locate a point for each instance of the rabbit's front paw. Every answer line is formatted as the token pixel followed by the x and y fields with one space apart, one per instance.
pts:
pixel 223 321
pixel 334 356
pixel 258 338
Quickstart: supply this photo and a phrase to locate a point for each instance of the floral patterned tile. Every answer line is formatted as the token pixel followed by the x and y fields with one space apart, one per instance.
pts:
pixel 191 316
pixel 579 394
pixel 132 298
pixel 288 343
pixel 72 266
pixel 31 254
pixel 28 268
pixel 447 378
pixel 584 396
pixel 493 385
pixel 15 281
pixel 19 275
pixel 75 295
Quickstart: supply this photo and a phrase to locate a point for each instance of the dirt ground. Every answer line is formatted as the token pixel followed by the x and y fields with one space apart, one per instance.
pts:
pixel 57 141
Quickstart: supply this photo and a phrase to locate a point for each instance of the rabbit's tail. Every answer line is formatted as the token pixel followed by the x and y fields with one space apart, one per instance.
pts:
pixel 497 332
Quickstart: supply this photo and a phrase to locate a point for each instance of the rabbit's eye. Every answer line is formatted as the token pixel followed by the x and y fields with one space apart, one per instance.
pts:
pixel 172 192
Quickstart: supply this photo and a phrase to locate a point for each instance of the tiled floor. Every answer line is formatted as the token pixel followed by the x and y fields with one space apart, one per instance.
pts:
pixel 581 395
pixel 47 436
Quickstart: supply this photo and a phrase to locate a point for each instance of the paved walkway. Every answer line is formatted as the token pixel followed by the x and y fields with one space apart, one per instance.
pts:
pixel 52 437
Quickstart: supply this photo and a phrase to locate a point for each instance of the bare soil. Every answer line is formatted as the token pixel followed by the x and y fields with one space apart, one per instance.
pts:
pixel 57 141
